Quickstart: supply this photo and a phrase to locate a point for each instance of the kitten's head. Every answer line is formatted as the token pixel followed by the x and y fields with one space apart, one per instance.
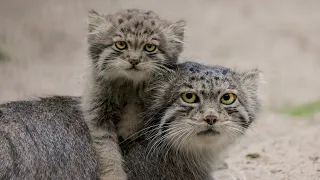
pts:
pixel 204 107
pixel 133 43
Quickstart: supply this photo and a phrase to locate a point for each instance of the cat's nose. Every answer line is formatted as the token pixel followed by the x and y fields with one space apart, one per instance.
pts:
pixel 134 61
pixel 211 119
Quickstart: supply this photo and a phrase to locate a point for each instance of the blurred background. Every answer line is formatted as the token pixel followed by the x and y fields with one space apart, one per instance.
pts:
pixel 43 52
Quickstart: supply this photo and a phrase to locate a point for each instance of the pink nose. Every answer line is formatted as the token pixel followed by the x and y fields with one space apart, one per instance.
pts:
pixel 211 119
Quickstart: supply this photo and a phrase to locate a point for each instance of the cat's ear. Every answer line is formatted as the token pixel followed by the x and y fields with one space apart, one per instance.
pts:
pixel 249 79
pixel 176 30
pixel 97 22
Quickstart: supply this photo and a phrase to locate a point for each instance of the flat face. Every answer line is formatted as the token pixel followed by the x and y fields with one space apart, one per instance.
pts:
pixel 133 44
pixel 208 105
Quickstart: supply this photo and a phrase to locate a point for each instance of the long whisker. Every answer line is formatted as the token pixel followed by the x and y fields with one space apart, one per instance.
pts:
pixel 158 139
pixel 176 137
pixel 142 130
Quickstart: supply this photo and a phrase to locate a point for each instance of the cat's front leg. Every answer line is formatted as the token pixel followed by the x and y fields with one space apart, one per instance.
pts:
pixel 105 142
pixel 110 159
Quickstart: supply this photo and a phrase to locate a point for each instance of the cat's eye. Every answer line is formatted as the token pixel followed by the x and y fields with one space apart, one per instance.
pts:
pixel 150 47
pixel 189 97
pixel 121 45
pixel 228 98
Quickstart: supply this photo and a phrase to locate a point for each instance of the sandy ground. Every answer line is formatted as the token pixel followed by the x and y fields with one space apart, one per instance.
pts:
pixel 45 40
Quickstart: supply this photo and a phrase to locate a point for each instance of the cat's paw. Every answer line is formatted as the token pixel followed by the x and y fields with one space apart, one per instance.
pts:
pixel 114 176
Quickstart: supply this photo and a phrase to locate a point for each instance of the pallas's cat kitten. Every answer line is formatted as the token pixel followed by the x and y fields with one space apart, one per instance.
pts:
pixel 126 49
pixel 194 114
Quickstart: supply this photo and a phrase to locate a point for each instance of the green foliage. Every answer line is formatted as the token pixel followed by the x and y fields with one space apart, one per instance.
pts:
pixel 3 55
pixel 253 155
pixel 304 110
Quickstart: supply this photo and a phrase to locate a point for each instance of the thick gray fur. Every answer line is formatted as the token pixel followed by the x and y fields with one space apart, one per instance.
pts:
pixel 177 142
pixel 45 139
pixel 48 139
pixel 112 102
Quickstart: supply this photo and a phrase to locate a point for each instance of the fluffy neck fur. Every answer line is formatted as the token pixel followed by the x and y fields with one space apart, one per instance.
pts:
pixel 146 163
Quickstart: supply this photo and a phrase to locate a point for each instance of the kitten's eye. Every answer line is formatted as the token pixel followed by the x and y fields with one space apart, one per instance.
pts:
pixel 121 45
pixel 228 98
pixel 150 47
pixel 189 97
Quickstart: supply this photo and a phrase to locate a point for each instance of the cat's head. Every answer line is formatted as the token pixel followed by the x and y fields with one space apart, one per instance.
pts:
pixel 204 107
pixel 133 43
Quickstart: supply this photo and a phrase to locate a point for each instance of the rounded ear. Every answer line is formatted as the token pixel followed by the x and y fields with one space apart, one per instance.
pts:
pixel 96 22
pixel 249 79
pixel 176 31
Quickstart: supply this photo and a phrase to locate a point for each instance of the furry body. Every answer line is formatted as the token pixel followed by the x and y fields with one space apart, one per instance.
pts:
pixel 45 139
pixel 48 139
pixel 121 65
pixel 179 140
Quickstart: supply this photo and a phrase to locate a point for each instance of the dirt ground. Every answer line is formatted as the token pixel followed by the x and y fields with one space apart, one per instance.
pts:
pixel 44 41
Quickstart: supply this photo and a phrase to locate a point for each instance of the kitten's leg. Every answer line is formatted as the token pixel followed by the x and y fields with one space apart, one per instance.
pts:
pixel 109 157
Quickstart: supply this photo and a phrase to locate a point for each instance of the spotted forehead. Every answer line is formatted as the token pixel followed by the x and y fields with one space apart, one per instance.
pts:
pixel 132 13
pixel 207 78
pixel 142 24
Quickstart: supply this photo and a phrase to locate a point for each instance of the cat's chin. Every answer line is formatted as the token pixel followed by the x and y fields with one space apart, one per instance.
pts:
pixel 208 139
pixel 136 75
pixel 208 132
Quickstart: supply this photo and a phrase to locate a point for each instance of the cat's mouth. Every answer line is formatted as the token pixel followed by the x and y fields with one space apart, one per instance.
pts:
pixel 208 132
pixel 133 68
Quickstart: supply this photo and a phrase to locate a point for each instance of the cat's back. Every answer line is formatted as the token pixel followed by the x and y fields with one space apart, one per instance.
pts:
pixel 39 137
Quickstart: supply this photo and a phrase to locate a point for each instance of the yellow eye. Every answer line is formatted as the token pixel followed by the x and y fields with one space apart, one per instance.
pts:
pixel 150 47
pixel 121 45
pixel 228 98
pixel 189 97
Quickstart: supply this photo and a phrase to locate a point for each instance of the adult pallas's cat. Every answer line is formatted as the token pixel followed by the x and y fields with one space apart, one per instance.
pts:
pixel 193 114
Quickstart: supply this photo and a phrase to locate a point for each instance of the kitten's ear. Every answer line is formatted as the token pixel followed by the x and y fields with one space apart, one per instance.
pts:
pixel 96 22
pixel 176 30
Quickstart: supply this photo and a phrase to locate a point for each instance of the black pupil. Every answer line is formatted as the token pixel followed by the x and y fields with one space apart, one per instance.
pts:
pixel 189 95
pixel 226 97
pixel 149 45
pixel 121 43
